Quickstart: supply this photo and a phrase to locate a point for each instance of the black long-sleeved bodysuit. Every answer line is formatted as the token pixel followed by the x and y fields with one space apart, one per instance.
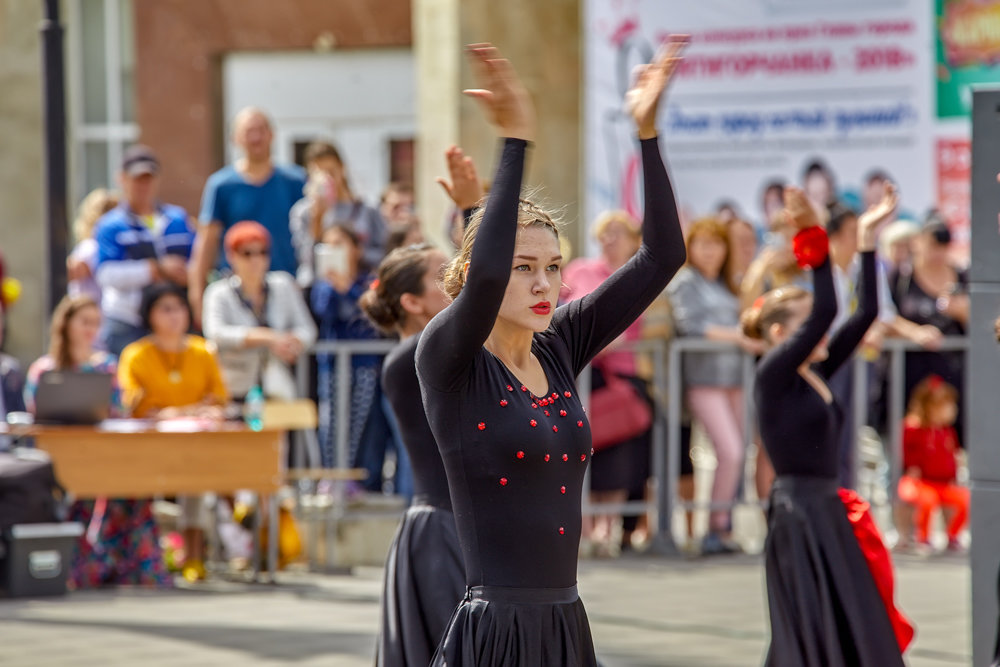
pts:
pixel 424 577
pixel 798 427
pixel 824 603
pixel 516 471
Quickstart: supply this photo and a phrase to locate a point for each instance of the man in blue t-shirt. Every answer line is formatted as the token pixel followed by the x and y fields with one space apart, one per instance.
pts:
pixel 140 241
pixel 252 188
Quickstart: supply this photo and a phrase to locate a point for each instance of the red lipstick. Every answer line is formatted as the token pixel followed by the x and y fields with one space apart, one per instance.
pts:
pixel 542 308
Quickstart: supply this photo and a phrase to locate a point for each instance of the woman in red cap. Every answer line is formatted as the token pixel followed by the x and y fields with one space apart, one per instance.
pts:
pixel 257 318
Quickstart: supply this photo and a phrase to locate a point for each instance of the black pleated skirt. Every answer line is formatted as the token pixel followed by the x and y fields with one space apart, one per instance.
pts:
pixel 424 581
pixel 518 627
pixel 824 605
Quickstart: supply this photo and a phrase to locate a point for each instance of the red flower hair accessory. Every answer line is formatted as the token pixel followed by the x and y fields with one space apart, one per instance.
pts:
pixel 935 382
pixel 811 247
pixel 375 284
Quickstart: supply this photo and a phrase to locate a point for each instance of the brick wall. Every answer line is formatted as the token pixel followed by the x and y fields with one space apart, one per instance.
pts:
pixel 179 49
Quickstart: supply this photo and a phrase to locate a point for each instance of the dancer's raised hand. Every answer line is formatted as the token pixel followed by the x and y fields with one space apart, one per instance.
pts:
pixel 799 211
pixel 643 99
pixel 465 188
pixel 869 221
pixel 504 99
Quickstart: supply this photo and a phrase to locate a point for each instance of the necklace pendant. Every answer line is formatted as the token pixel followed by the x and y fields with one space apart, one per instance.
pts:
pixel 174 377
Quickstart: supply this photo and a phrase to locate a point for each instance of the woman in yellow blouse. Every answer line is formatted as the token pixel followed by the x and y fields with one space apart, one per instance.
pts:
pixel 171 373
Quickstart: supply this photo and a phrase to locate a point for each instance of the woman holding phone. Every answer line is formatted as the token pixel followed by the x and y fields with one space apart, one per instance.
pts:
pixel 335 305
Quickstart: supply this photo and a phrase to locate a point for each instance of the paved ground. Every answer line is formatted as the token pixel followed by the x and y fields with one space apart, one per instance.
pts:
pixel 644 612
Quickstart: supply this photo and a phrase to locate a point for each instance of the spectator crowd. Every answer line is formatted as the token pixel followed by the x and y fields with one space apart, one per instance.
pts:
pixel 192 315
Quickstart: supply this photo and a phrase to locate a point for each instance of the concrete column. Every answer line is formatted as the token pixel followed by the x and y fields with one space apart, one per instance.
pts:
pixel 22 223
pixel 543 40
pixel 983 370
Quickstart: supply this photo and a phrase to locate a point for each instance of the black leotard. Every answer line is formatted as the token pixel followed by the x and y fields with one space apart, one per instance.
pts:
pixel 798 427
pixel 399 382
pixel 516 462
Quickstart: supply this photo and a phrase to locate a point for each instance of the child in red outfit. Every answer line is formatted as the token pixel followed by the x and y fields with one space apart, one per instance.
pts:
pixel 929 447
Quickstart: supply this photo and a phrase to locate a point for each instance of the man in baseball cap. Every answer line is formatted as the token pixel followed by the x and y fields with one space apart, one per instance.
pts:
pixel 140 242
pixel 139 160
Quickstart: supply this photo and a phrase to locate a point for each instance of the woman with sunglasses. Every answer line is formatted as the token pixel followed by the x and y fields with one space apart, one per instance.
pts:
pixel 932 297
pixel 257 318
pixel 497 372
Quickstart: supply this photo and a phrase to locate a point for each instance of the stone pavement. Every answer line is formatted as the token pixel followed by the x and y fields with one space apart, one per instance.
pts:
pixel 644 612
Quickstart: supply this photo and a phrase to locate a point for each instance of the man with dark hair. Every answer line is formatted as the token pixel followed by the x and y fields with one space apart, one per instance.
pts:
pixel 252 188
pixel 397 204
pixel 842 230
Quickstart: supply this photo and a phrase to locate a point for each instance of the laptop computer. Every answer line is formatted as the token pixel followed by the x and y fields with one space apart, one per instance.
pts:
pixel 72 397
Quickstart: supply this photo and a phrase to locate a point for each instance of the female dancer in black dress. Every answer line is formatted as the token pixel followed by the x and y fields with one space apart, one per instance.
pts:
pixel 829 582
pixel 498 374
pixel 424 575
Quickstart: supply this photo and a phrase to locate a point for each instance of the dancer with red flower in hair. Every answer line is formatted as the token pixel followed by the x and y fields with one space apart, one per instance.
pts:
pixel 829 578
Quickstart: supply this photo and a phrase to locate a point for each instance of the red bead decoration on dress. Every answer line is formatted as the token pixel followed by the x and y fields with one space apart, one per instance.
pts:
pixel 503 403
pixel 547 457
pixel 520 455
pixel 534 405
pixel 533 422
pixel 562 489
pixel 565 457
pixel 580 423
pixel 562 531
pixel 554 396
pixel 510 388
pixel 583 457
pixel 567 394
pixel 555 429
pixel 562 413
pixel 547 414
pixel 503 481
pixel 523 388
pixel 482 426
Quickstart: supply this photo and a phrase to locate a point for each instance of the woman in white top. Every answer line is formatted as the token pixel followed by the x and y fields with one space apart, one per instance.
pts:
pixel 258 319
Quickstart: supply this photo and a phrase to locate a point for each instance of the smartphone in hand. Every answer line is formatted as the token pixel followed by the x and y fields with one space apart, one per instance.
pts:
pixel 329 258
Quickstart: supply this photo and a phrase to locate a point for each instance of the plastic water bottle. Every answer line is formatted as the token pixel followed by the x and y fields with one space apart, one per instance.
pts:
pixel 253 408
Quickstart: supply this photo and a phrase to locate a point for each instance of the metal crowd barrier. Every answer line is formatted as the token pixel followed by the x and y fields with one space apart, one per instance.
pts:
pixel 665 357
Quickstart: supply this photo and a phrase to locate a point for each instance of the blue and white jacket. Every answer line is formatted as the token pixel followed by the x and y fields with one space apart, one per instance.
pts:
pixel 124 247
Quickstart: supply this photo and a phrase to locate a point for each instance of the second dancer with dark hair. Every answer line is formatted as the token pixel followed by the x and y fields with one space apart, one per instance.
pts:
pixel 423 571
pixel 498 374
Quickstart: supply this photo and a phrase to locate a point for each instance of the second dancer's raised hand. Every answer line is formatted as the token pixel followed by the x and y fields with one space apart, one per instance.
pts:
pixel 799 212
pixel 643 99
pixel 464 188
pixel 503 97
pixel 870 220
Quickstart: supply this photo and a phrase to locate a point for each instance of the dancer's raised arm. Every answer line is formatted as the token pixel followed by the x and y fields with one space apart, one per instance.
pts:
pixel 590 323
pixel 849 336
pixel 481 270
pixel 783 361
